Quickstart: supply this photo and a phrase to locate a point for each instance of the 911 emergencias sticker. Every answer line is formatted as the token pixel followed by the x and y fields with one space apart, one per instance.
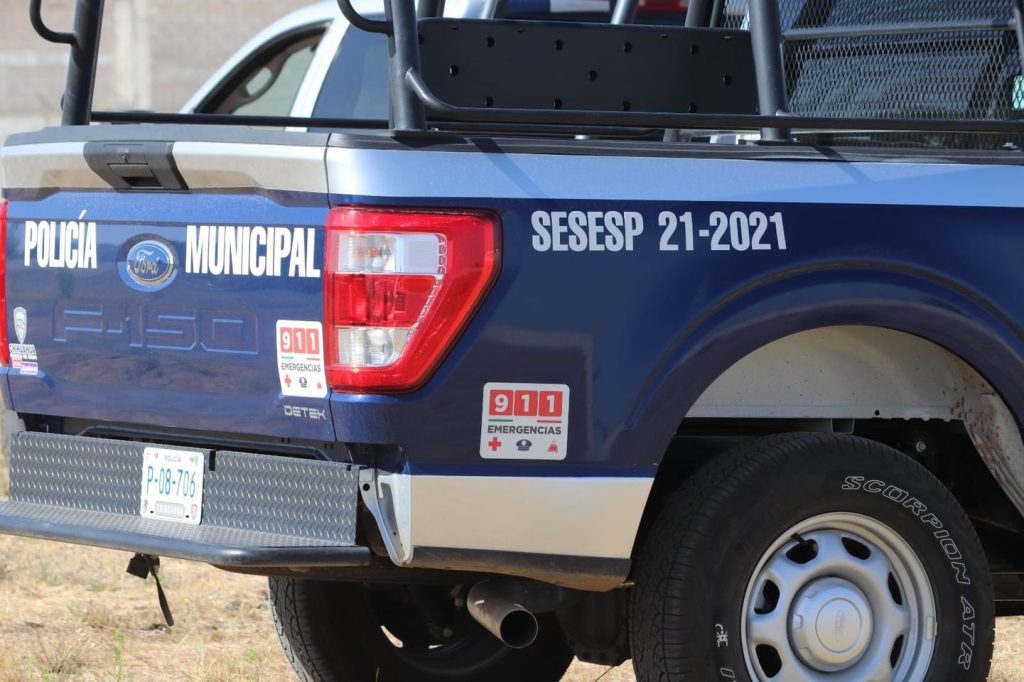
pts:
pixel 524 421
pixel 300 359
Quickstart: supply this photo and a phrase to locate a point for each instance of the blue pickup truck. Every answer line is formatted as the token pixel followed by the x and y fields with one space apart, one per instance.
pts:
pixel 613 340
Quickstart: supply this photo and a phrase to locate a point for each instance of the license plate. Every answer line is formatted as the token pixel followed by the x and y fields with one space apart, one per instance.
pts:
pixel 172 485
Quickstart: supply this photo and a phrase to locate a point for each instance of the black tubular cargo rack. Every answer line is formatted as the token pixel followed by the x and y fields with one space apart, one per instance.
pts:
pixel 492 73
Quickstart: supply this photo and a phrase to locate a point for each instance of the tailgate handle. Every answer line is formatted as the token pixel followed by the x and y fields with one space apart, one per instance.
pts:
pixel 135 165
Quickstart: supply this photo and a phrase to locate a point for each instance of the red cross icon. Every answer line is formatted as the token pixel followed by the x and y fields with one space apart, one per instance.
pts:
pixel 288 380
pixel 494 444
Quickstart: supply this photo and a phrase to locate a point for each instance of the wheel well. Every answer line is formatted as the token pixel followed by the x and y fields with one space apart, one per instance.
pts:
pixel 887 386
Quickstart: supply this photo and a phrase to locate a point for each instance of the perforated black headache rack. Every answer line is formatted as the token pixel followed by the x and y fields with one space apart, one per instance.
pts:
pixel 484 74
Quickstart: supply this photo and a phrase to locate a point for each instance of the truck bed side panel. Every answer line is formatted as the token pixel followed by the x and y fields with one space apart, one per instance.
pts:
pixel 637 334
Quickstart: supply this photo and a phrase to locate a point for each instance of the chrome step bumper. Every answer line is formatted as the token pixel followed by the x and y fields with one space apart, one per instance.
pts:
pixel 258 510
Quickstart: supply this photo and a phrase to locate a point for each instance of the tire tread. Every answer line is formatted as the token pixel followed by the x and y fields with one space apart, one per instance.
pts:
pixel 688 518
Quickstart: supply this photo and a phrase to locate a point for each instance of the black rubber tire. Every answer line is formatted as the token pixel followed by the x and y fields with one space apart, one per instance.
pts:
pixel 702 550
pixel 331 633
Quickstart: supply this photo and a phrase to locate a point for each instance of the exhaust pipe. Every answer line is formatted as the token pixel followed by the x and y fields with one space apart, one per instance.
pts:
pixel 498 606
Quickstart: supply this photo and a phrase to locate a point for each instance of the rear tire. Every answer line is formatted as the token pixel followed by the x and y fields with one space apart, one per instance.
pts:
pixel 334 631
pixel 812 557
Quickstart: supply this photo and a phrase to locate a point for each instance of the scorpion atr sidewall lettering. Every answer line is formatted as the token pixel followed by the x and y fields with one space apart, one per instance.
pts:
pixel 937 536
pixel 943 533
pixel 899 496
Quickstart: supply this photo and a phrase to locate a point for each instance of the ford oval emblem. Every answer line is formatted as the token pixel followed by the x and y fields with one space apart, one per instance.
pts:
pixel 149 265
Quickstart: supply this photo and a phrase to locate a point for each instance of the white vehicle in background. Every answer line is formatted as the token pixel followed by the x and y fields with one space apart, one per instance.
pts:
pixel 283 70
pixel 344 355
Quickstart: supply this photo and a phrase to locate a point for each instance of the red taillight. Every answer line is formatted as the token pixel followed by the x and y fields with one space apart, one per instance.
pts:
pixel 399 287
pixel 5 350
pixel 380 300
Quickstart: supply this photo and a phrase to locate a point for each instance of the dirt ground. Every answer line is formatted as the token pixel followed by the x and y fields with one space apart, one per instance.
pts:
pixel 72 613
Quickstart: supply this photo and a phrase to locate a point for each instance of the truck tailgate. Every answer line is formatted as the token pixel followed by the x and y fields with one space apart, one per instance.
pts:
pixel 156 275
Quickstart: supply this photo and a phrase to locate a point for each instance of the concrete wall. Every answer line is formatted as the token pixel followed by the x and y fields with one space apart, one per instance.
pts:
pixel 153 53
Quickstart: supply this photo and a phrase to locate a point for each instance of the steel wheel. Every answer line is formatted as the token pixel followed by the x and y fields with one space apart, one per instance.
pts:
pixel 839 597
pixel 355 632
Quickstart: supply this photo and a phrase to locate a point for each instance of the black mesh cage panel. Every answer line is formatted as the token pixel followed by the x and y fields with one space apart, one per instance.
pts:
pixel 929 59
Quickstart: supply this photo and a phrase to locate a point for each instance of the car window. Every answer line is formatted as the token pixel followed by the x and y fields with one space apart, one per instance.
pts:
pixel 269 82
pixel 356 85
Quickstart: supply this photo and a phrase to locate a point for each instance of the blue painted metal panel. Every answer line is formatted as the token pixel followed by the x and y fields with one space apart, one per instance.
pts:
pixel 639 335
pixel 196 351
pixel 636 335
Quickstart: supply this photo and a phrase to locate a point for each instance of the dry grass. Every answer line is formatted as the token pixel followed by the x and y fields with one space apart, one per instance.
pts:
pixel 71 613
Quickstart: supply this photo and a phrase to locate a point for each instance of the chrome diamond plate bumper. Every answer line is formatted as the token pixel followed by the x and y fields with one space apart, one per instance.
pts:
pixel 258 510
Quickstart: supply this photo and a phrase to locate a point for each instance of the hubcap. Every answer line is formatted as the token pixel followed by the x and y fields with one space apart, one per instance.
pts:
pixel 839 597
pixel 830 624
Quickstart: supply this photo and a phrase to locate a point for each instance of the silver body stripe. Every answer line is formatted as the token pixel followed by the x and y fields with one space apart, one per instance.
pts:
pixel 485 176
pixel 53 164
pixel 588 517
pixel 421 173
pixel 205 165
